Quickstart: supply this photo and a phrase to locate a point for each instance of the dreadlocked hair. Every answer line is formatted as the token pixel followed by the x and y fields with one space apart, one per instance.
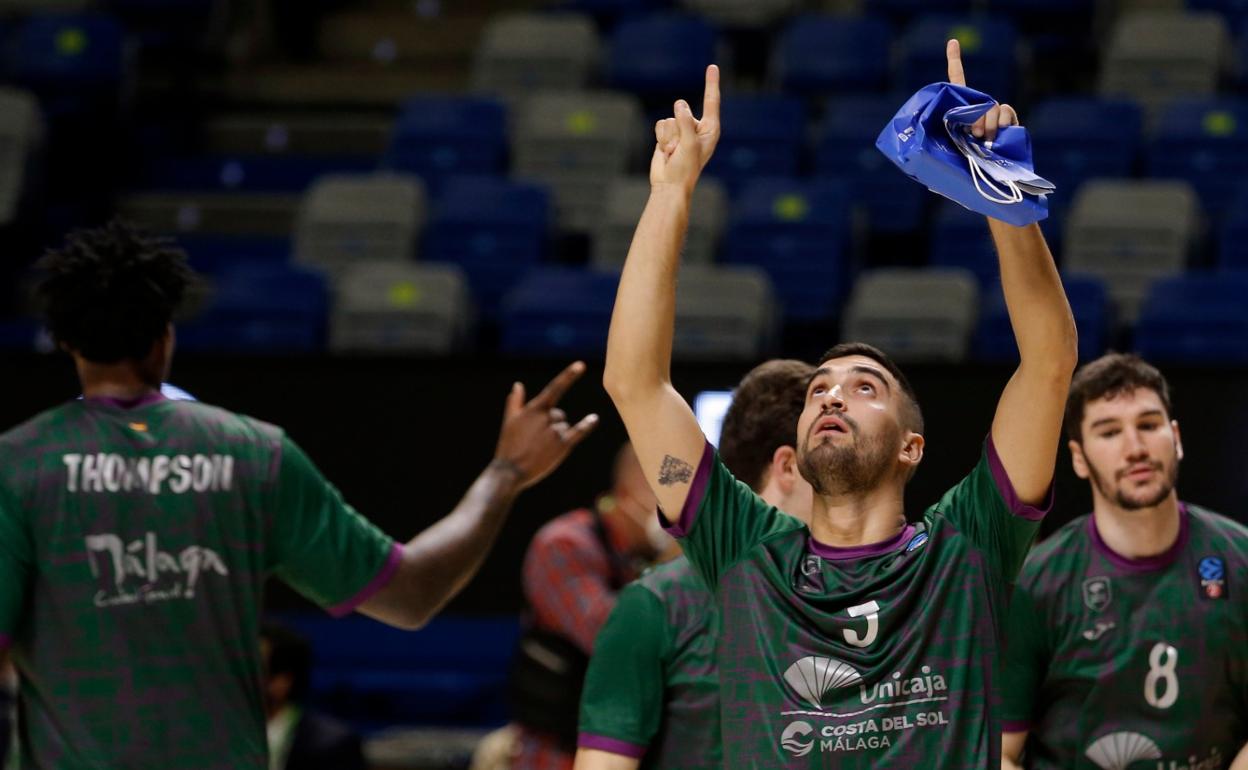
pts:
pixel 109 293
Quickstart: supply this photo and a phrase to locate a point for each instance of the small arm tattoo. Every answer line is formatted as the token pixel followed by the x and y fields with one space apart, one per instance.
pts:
pixel 674 471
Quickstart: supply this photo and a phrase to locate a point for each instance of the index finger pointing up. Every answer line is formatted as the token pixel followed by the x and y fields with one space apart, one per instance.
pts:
pixel 710 98
pixel 953 52
pixel 554 391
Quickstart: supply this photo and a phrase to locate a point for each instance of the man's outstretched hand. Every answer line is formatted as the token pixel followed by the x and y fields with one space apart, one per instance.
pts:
pixel 684 144
pixel 536 436
pixel 998 117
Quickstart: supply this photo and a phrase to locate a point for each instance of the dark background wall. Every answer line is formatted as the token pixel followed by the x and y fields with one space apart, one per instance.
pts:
pixel 403 438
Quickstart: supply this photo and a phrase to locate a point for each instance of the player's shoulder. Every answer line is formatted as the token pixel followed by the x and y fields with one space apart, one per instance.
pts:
pixel 1209 525
pixel 229 426
pixel 1051 554
pixel 674 578
pixel 35 429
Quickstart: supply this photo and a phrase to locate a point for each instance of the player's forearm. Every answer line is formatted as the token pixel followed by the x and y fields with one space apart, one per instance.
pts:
pixel 1039 312
pixel 440 561
pixel 639 345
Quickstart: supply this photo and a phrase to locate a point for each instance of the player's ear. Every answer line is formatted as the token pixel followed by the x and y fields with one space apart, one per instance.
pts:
pixel 1178 439
pixel 912 450
pixel 1077 460
pixel 784 468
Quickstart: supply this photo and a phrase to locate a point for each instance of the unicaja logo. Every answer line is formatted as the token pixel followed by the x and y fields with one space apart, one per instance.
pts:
pixel 813 677
pixel 798 738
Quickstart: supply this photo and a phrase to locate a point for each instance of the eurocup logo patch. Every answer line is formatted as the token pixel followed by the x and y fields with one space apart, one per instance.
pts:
pixel 1212 577
pixel 798 738
pixel 1097 593
pixel 917 541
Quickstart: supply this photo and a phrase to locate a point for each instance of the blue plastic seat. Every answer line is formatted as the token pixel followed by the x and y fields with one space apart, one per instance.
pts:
pixel 1235 11
pixel 988 51
pixel 75 62
pixel 661 55
pixel 495 229
pixel 1075 139
pixel 960 238
pixel 1089 303
pixel 819 54
pixel 845 148
pixel 1233 237
pixel 1204 142
pixel 764 137
pixel 215 253
pixel 1198 318
pixel 559 311
pixel 249 173
pixel 262 308
pixel 799 233
pixel 439 136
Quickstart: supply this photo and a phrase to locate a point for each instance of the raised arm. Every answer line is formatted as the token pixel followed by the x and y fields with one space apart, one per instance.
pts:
pixel 1028 424
pixel 663 430
pixel 1012 750
pixel 439 562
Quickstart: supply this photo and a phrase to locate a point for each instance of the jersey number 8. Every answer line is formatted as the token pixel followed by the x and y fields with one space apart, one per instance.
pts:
pixel 1161 686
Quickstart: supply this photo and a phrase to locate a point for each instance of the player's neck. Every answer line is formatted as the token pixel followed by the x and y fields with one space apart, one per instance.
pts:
pixel 121 381
pixel 847 521
pixel 1138 533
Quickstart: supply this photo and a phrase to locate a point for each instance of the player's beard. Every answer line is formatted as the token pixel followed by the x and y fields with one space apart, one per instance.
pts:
pixel 1128 502
pixel 852 468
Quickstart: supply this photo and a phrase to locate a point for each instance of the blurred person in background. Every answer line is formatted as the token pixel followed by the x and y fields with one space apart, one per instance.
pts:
pixel 136 532
pixel 652 692
pixel 573 572
pixel 299 738
pixel 1127 637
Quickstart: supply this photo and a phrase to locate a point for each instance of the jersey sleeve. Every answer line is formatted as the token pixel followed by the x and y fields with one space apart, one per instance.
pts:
pixel 1025 660
pixel 319 544
pixel 723 519
pixel 985 508
pixel 16 551
pixel 622 703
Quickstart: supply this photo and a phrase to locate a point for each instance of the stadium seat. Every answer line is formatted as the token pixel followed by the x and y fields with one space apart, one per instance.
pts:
pixel 218 231
pixel 1202 142
pixel 989 51
pixel 845 147
pixel 577 143
pixel 1129 233
pixel 493 229
pixel 396 307
pixel 521 53
pixel 21 137
pixel 317 134
pixel 915 314
pixel 1198 318
pixel 74 62
pixel 261 308
pixel 724 313
pixel 822 54
pixel 742 13
pixel 799 233
pixel 960 238
pixel 1075 139
pixel 291 173
pixel 344 219
pixel 1089 303
pixel 661 56
pixel 1234 11
pixel 626 198
pixel 438 136
pixel 1233 237
pixel 766 138
pixel 1156 57
pixel 559 311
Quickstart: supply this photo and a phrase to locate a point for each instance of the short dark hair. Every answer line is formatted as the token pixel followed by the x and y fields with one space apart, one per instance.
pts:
pixel 763 417
pixel 290 654
pixel 1108 376
pixel 912 414
pixel 109 293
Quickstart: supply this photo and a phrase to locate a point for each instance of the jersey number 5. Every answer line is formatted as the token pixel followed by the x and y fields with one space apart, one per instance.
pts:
pixel 1161 686
pixel 872 611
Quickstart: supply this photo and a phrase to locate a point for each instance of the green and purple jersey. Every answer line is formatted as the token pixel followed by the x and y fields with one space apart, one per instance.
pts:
pixel 134 543
pixel 1120 663
pixel 882 656
pixel 651 692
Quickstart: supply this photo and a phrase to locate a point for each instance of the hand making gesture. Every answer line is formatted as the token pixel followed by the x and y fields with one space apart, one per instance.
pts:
pixel 998 117
pixel 684 144
pixel 536 436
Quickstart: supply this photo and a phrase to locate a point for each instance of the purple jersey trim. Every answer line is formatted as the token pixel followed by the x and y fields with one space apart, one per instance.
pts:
pixel 1015 725
pixel 894 543
pixel 696 493
pixel 129 403
pixel 1147 563
pixel 376 584
pixel 1006 488
pixel 610 745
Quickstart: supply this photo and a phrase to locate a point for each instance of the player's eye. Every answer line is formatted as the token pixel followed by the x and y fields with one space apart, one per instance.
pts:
pixel 1150 426
pixel 1110 433
pixel 866 388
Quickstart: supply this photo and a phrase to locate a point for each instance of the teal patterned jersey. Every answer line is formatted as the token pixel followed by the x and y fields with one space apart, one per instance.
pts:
pixel 652 692
pixel 883 656
pixel 134 543
pixel 1118 663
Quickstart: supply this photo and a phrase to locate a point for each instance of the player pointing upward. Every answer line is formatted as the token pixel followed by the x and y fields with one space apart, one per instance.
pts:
pixel 860 641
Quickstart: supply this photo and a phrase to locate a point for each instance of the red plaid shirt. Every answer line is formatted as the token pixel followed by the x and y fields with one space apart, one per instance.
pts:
pixel 567 581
